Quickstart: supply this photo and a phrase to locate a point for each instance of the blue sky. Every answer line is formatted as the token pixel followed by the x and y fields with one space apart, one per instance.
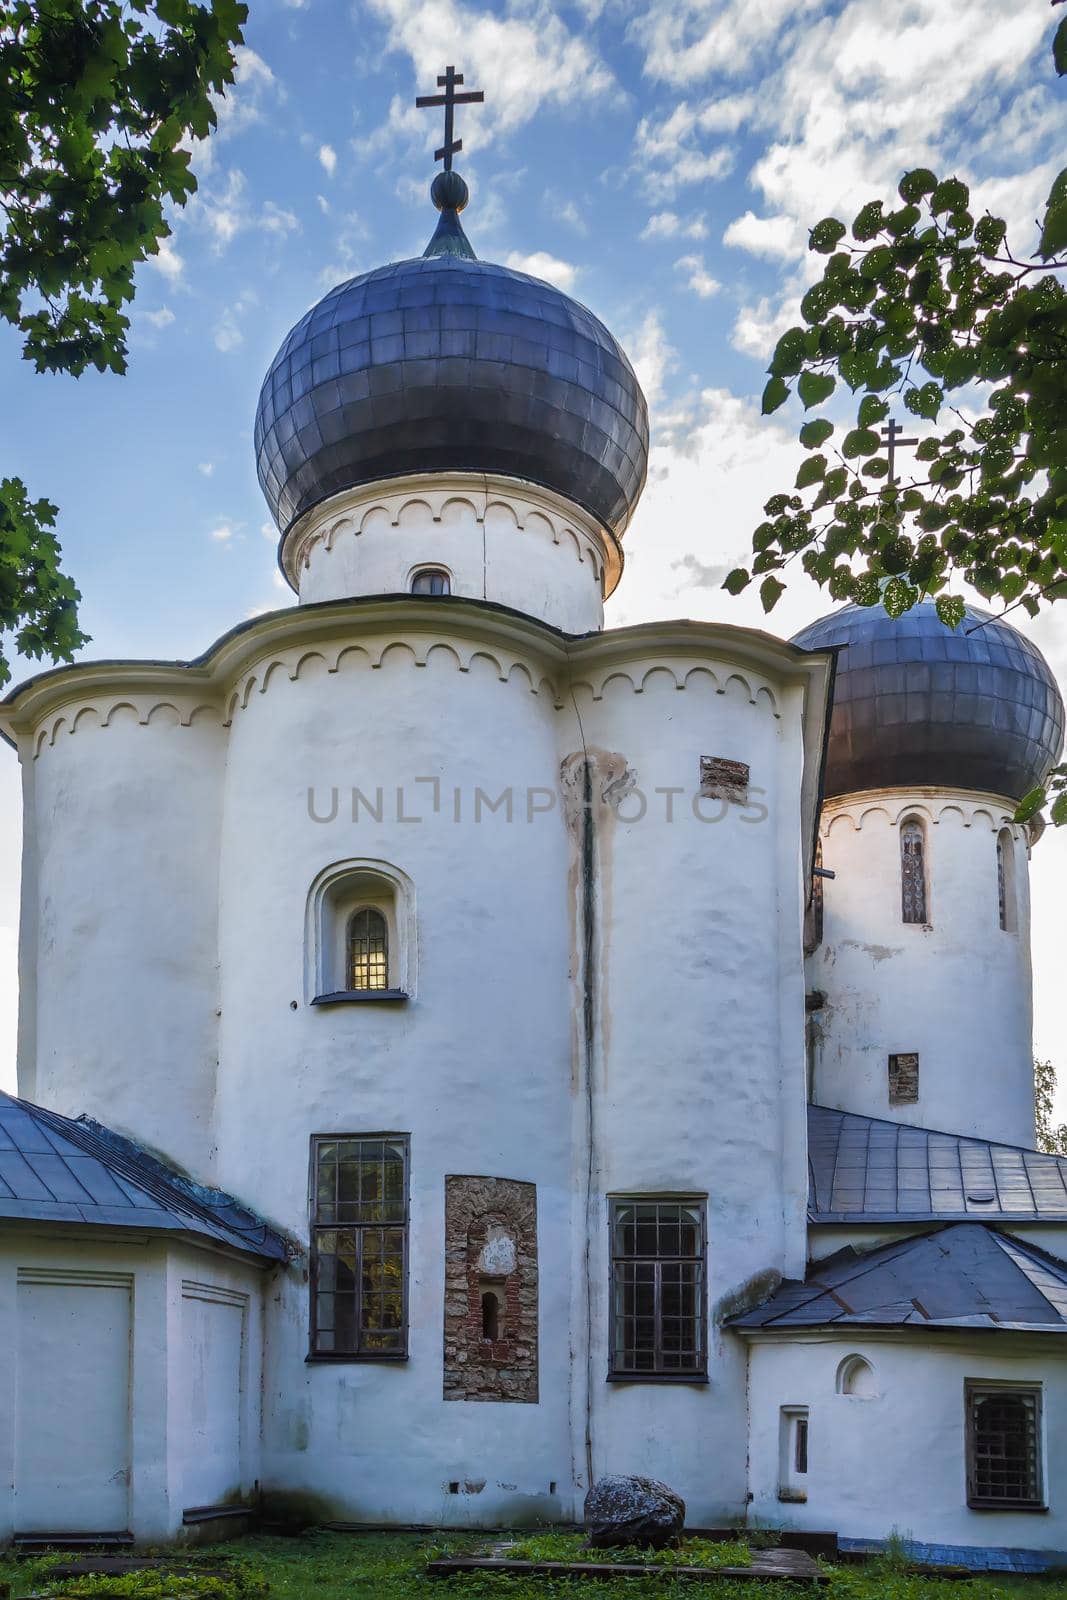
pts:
pixel 659 159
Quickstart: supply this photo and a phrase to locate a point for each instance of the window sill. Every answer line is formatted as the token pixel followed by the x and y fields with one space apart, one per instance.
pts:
pixel 1007 1505
pixel 658 1377
pixel 314 1359
pixel 793 1497
pixel 349 997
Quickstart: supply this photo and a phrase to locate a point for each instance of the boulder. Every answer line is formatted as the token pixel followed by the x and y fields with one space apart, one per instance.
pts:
pixel 625 1510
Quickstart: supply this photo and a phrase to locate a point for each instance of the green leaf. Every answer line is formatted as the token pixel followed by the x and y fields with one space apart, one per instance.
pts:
pixel 826 235
pixel 789 353
pixel 1059 48
pixel 1059 811
pixel 898 597
pixel 815 433
pixel 775 394
pixel 811 471
pixel 1029 805
pixel 950 195
pixel 872 410
pixel 951 610
pixel 1054 232
pixel 815 387
pixel 914 184
pixel 868 221
pixel 860 442
pixel 770 592
pixel 736 580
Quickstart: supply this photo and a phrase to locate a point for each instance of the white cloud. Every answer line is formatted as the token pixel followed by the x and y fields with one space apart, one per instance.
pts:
pixel 223 532
pixel 651 356
pixel 158 319
pixel 568 213
pixel 685 40
pixel 167 261
pixel 524 60
pixel 698 278
pixel 206 467
pixel 539 264
pixel 328 159
pixel 324 204
pixel 779 238
pixel 673 153
pixel 669 225
pixel 225 210
pixel 268 530
pixel 244 102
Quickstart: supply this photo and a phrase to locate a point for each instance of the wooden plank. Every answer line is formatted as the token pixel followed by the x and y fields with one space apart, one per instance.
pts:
pixel 770 1566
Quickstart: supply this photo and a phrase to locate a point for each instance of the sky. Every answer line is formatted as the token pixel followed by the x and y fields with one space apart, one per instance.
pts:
pixel 661 160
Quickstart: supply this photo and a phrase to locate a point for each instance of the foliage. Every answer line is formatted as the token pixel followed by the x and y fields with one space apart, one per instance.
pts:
pixel 241 1582
pixel 392 1567
pixel 1050 1138
pixel 690 1553
pixel 99 99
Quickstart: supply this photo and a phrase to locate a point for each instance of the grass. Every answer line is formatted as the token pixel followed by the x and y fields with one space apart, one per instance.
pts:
pixel 572 1547
pixel 333 1566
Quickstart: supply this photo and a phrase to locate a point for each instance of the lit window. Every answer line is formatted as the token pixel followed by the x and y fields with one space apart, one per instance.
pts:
pixel 431 580
pixel 913 871
pixel 657 1301
pixel 368 950
pixel 1003 1446
pixel 359 1226
pixel 793 1453
pixel 1006 880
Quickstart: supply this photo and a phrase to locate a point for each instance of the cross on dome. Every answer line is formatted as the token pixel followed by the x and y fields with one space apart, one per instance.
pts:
pixel 450 99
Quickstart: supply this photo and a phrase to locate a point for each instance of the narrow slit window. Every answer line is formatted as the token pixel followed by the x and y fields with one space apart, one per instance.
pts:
pixel 913 871
pixel 658 1290
pixel 431 580
pixel 368 950
pixel 793 1453
pixel 359 1246
pixel 1006 881
pixel 490 1316
pixel 1004 1446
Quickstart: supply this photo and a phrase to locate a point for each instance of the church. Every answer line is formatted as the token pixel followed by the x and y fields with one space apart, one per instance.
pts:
pixel 465 1050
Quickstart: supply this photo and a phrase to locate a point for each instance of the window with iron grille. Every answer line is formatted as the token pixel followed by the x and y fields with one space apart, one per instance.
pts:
pixel 913 871
pixel 359 1239
pixel 431 580
pixel 1004 1446
pixel 658 1289
pixel 368 950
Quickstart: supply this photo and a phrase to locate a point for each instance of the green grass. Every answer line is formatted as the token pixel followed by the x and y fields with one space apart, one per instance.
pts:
pixel 333 1566
pixel 572 1547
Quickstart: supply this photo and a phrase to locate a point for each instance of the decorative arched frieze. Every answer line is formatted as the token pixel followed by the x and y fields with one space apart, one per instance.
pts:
pixel 933 809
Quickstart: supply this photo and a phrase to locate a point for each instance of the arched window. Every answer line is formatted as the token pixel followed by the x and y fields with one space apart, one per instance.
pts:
pixel 490 1315
pixel 913 871
pixel 855 1376
pixel 431 580
pixel 368 950
pixel 1006 880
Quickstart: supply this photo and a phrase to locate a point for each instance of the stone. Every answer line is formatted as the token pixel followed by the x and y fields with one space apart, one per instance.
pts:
pixel 632 1510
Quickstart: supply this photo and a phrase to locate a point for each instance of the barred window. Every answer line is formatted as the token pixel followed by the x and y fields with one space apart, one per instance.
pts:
pixel 359 1238
pixel 368 950
pixel 1004 1446
pixel 658 1290
pixel 913 871
pixel 431 580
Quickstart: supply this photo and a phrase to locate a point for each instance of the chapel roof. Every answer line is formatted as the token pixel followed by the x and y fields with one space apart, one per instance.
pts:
pixel 56 1169
pixel 864 1169
pixel 963 1276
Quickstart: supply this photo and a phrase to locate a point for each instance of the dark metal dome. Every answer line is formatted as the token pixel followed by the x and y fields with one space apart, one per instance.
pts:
pixel 446 363
pixel 917 704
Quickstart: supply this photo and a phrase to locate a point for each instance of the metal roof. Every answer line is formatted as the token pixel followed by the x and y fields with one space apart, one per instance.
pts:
pixel 863 1169
pixel 964 1276
pixel 53 1169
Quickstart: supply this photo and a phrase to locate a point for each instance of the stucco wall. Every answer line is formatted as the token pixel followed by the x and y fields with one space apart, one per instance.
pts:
pixel 957 990
pixel 147 1417
pixel 895 1462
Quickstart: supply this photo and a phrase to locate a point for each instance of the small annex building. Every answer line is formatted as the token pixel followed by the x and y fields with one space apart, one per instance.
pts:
pixel 617 1040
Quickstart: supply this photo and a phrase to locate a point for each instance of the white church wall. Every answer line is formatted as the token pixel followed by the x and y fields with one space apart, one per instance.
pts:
pixel 955 990
pixel 475 1068
pixel 698 1072
pixel 120 888
pixel 893 1460
pixel 498 539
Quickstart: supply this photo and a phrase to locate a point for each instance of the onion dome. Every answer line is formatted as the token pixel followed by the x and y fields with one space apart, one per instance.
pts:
pixel 917 704
pixel 446 363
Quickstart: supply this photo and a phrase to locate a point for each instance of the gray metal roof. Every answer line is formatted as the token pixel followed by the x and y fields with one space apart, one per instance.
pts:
pixel 964 1276
pixel 53 1169
pixel 862 1169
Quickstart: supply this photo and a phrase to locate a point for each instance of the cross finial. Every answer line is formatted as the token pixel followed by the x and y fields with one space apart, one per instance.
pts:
pixel 891 436
pixel 450 99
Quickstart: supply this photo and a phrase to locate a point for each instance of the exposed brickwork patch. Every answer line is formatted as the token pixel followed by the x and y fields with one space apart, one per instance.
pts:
pixel 903 1080
pixel 721 779
pixel 490 1289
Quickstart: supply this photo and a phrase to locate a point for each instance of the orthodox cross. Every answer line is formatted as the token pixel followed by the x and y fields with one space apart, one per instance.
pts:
pixel 891 436
pixel 450 100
